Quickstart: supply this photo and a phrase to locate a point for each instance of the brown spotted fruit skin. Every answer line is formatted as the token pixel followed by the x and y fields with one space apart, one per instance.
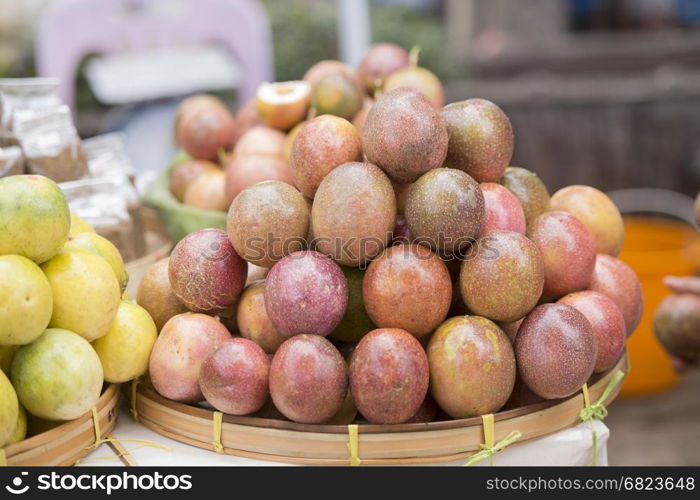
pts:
pixel 568 252
pixel 328 67
pixel 306 292
pixel 555 350
pixel 503 211
pixel 353 213
pixel 185 173
pixel 183 344
pixel 308 379
pixel 206 273
pixel 597 212
pixel 356 323
pixel 253 321
pixel 205 130
pixel 247 170
pixel 677 326
pixel 404 135
pixel 607 322
pixel 445 209
pixel 426 412
pixel 502 278
pixel 260 140
pixel 381 60
pixel 407 287
pixel 156 295
pixel 321 145
pixel 339 95
pixel 389 376
pixel 521 396
pixel 401 190
pixel 472 366
pixel 401 234
pixel 618 281
pixel 420 79
pixel 481 138
pixel 268 221
pixel 234 377
pixel 511 328
pixel 528 189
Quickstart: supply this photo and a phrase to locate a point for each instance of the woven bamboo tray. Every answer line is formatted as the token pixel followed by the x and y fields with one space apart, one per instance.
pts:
pixel 69 442
pixel 425 443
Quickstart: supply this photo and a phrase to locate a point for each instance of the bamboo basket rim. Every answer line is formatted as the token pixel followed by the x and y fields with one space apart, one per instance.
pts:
pixel 308 444
pixel 72 438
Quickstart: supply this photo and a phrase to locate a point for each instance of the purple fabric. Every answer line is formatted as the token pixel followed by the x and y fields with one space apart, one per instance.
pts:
pixel 70 31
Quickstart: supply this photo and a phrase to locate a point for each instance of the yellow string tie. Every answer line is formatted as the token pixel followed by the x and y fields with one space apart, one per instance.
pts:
pixel 597 410
pixel 354 445
pixel 133 410
pixel 99 440
pixel 3 458
pixel 96 425
pixel 490 447
pixel 218 419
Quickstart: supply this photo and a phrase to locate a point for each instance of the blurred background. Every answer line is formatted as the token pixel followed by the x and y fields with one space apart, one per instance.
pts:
pixel 599 92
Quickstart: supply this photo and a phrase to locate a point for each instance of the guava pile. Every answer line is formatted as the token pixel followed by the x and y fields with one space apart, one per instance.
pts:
pixel 65 327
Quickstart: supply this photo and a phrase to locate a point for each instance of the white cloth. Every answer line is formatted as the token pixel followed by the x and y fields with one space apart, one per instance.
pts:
pixel 570 447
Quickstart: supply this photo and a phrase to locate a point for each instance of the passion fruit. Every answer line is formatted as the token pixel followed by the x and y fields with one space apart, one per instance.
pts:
pixel 445 209
pixel 556 350
pixel 253 321
pixel 321 145
pixel 282 105
pixel 389 376
pixel 481 139
pixel 607 322
pixel 185 173
pixel 404 135
pixel 502 210
pixel 305 292
pixel 267 221
pixel 337 94
pixel 568 252
pixel 206 273
pixel 529 190
pixel 677 326
pixel 353 225
pixel 407 287
pixel 245 171
pixel 156 295
pixel 420 79
pixel 381 60
pixel 597 212
pixel 472 366
pixel 503 278
pixel 308 379
pixel 617 280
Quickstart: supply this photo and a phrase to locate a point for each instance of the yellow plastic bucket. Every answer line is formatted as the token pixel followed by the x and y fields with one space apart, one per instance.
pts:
pixel 654 248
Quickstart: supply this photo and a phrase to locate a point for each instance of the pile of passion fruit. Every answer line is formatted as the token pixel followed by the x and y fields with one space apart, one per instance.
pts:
pixel 382 262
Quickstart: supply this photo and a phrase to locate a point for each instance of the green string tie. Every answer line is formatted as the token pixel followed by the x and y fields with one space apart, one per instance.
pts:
pixel 597 410
pixel 490 448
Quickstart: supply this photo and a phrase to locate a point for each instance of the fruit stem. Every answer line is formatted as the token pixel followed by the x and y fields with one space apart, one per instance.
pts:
pixel 413 56
pixel 221 154
pixel 378 87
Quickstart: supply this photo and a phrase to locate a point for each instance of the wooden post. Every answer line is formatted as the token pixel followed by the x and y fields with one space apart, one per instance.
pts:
pixel 353 30
pixel 459 21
